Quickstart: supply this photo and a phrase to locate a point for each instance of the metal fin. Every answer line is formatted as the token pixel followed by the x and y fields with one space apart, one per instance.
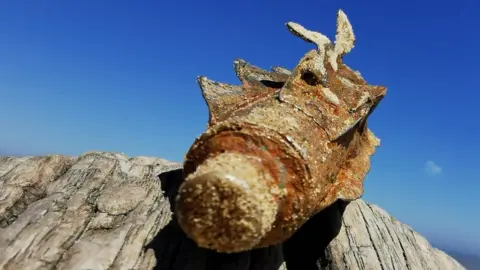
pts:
pixel 252 75
pixel 220 97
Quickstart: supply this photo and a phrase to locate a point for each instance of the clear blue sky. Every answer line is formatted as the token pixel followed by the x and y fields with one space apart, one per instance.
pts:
pixel 121 76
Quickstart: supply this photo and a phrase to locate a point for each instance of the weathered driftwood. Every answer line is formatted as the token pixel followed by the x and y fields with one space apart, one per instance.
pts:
pixel 107 211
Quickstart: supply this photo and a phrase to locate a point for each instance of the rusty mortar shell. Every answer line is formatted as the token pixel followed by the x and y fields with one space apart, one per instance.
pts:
pixel 279 148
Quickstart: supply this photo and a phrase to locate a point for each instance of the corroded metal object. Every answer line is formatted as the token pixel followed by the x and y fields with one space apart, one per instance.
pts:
pixel 279 148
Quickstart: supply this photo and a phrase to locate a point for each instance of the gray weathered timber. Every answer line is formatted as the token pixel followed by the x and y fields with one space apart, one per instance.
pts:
pixel 107 211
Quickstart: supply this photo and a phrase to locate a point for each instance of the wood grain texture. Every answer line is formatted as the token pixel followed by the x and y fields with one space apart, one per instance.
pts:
pixel 107 211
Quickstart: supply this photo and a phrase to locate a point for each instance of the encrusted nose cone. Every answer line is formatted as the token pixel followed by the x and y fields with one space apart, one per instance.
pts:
pixel 226 204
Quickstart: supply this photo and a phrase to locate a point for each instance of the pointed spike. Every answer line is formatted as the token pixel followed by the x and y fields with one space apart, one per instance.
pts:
pixel 348 129
pixel 377 92
pixel 220 97
pixel 345 38
pixel 310 36
pixel 213 90
pixel 282 70
pixel 372 94
pixel 238 65
pixel 249 74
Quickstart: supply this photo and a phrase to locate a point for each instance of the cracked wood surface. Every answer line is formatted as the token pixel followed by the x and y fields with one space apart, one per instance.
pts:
pixel 107 211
